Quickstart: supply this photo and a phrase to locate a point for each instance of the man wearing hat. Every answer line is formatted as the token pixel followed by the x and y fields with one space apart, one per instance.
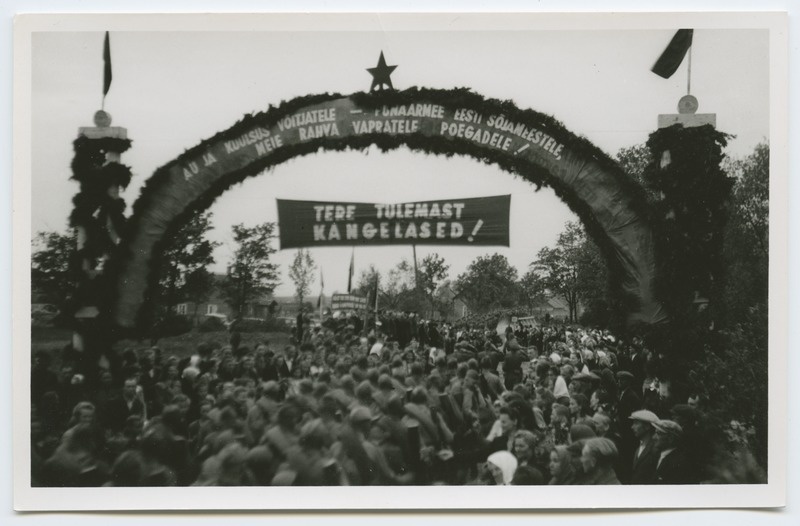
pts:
pixel 645 457
pixel 672 466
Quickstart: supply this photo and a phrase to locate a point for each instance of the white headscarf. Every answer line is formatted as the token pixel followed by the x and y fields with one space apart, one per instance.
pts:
pixel 507 464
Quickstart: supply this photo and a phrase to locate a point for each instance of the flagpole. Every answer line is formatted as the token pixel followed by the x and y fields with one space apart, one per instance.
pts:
pixel 416 273
pixel 376 302
pixel 321 292
pixel 351 271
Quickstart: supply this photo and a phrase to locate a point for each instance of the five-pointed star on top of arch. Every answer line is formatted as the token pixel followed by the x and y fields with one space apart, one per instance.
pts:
pixel 380 75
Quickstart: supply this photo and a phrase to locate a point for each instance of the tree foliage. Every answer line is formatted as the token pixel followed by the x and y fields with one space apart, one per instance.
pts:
pixel 432 271
pixel 533 288
pixel 251 275
pixel 746 247
pixel 634 160
pixel 689 215
pixel 489 282
pixel 184 274
pixel 53 275
pixel 558 267
pixel 301 272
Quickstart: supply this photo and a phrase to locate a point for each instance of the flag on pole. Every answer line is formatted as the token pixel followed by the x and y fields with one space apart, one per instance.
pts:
pixel 352 271
pixel 106 65
pixel 671 58
pixel 321 290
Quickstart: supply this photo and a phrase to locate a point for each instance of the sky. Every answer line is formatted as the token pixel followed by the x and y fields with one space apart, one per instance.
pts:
pixel 173 89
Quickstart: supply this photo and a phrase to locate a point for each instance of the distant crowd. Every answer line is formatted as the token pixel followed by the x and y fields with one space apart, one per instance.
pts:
pixel 404 401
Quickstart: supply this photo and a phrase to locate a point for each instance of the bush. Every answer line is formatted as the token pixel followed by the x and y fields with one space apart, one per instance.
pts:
pixel 173 325
pixel 734 382
pixel 212 324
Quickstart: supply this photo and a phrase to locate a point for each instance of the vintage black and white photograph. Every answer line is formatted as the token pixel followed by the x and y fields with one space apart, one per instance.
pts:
pixel 402 256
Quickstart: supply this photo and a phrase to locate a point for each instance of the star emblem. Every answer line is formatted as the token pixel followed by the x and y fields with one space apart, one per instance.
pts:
pixel 380 75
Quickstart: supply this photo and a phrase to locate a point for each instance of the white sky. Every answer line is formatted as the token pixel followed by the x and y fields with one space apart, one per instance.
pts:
pixel 171 90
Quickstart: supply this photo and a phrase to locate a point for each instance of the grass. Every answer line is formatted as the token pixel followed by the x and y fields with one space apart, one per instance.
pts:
pixel 54 339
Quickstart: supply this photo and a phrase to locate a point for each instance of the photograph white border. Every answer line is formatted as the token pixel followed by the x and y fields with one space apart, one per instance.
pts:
pixel 377 498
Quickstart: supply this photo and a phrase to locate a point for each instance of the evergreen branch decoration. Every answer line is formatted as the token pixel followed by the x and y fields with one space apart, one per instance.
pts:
pixel 634 195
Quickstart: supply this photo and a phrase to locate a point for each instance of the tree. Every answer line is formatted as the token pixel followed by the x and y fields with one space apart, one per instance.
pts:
pixel 365 285
pixel 398 292
pixel 431 272
pixel 198 287
pixel 52 274
pixel 602 307
pixel 184 275
pixel 301 272
pixel 490 282
pixel 634 160
pixel 251 274
pixel 558 267
pixel 533 288
pixel 746 248
pixel 751 197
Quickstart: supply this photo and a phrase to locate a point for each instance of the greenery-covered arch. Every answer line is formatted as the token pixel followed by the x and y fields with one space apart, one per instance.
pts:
pixel 528 144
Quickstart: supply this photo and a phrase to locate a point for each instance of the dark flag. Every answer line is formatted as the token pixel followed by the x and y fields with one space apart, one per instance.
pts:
pixel 672 57
pixel 107 66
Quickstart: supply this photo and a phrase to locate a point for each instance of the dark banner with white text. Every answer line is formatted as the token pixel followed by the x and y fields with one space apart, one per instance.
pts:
pixel 470 221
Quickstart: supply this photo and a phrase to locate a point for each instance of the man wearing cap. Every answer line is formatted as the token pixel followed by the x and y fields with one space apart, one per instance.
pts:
pixel 645 457
pixel 672 466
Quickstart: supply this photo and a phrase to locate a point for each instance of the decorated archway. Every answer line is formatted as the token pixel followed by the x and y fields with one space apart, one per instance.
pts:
pixel 441 122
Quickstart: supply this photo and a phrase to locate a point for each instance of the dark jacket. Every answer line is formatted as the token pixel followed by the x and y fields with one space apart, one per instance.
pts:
pixel 674 469
pixel 644 466
pixel 117 412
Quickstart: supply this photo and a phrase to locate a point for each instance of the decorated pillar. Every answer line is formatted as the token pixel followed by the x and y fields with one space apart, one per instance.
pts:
pixel 691 207
pixel 98 217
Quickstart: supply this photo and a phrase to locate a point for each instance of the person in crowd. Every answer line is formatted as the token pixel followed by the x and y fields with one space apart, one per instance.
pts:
pixel 512 364
pixel 436 403
pixel 76 462
pixel 597 458
pixel 561 389
pixel 561 468
pixel 502 466
pixel 672 466
pixel 645 457
pixel 502 436
pixel 130 403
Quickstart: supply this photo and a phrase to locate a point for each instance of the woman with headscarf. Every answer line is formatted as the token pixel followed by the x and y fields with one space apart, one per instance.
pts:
pixel 561 467
pixel 502 465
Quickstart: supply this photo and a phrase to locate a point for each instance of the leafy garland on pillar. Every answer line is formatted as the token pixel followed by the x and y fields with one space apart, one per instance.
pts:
pixel 94 209
pixel 692 212
pixel 461 98
pixel 689 221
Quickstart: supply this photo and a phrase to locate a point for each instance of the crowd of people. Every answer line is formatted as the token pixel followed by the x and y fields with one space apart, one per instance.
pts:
pixel 403 402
